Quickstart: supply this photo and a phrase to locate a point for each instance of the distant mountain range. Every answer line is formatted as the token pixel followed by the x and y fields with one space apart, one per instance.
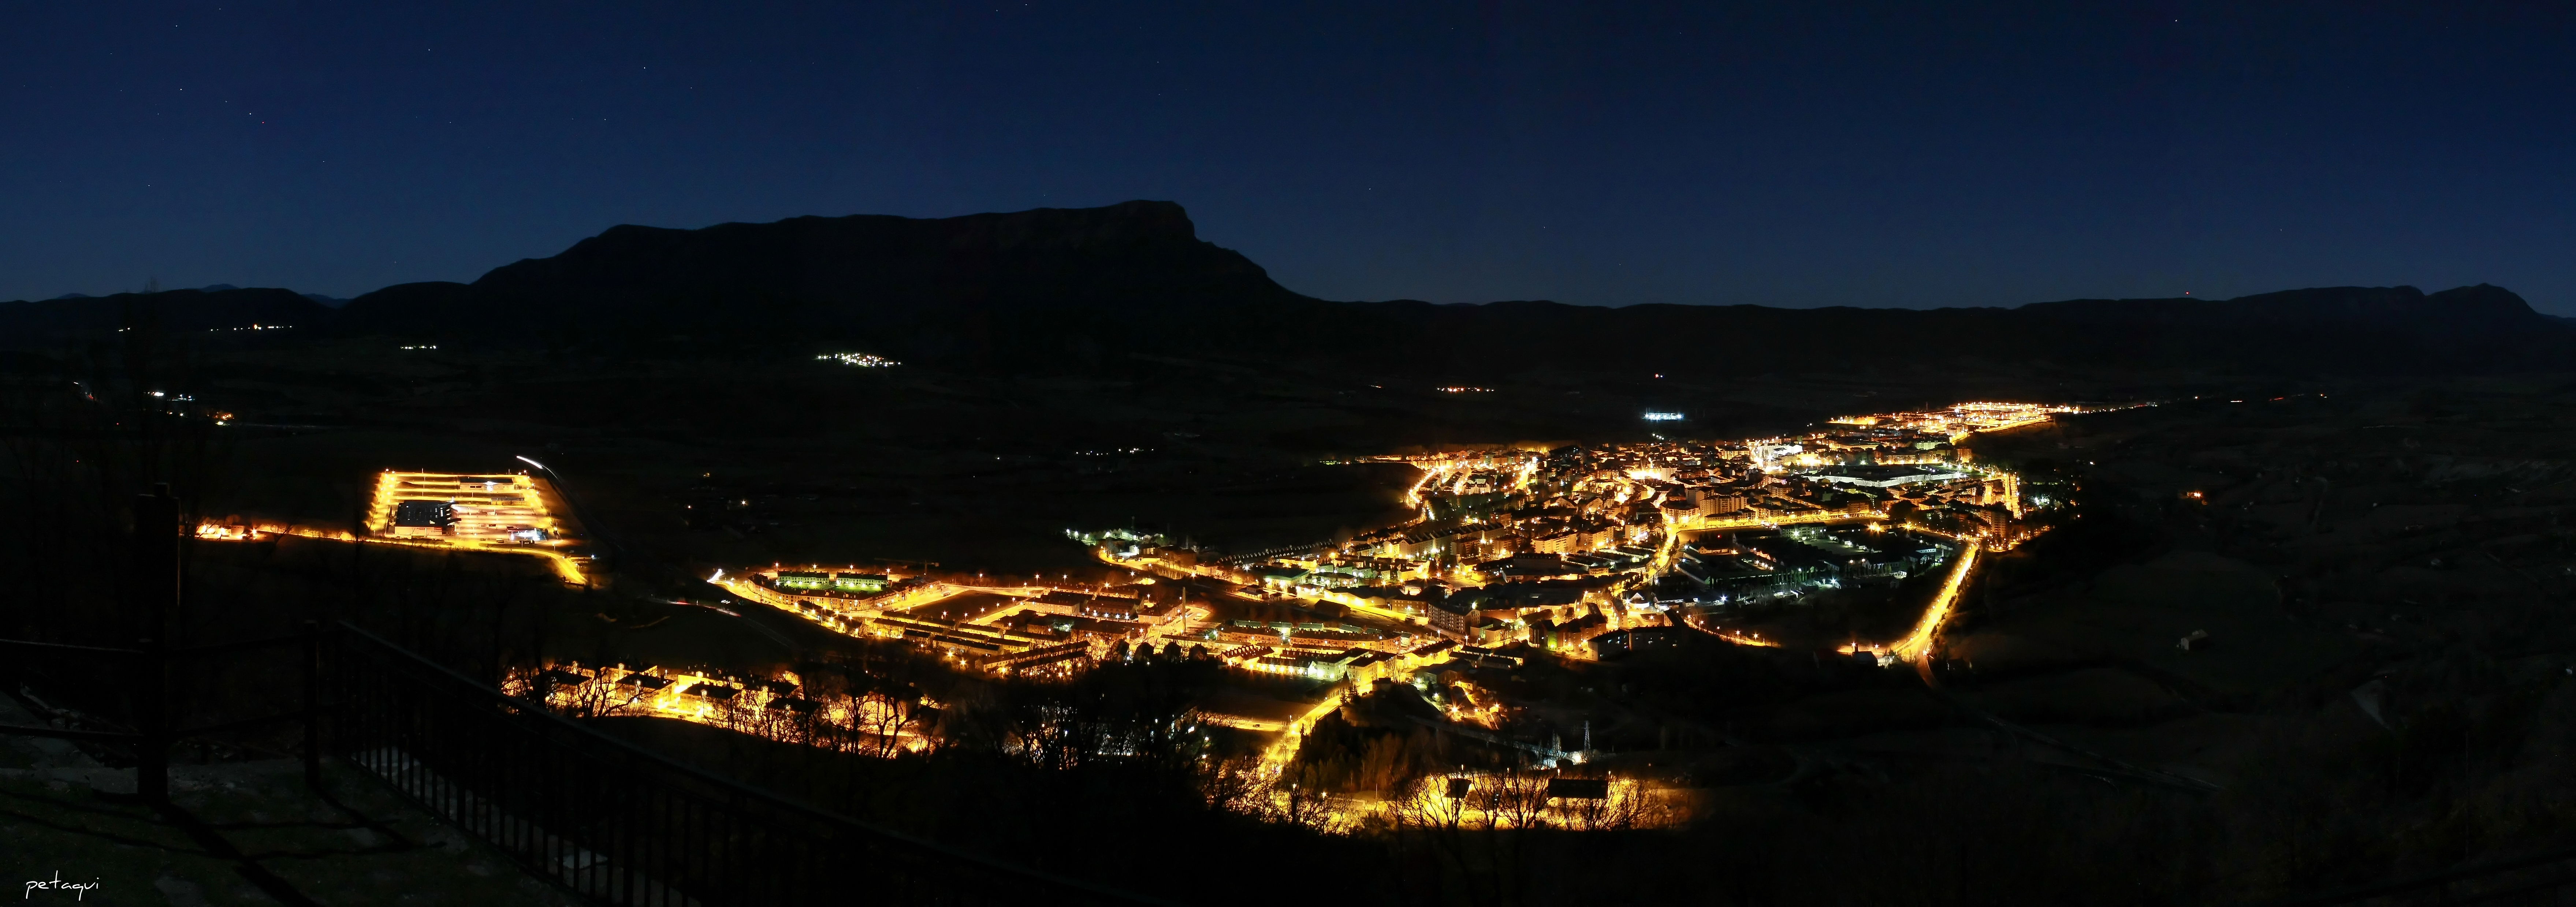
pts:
pixel 328 301
pixel 1113 288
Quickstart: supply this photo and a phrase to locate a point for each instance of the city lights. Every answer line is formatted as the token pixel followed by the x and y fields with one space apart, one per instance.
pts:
pixel 1509 555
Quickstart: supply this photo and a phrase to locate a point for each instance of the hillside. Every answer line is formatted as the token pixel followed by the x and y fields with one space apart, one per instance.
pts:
pixel 2333 330
pixel 52 321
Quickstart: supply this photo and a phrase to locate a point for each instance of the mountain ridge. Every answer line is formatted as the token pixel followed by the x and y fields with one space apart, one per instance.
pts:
pixel 72 317
pixel 1083 289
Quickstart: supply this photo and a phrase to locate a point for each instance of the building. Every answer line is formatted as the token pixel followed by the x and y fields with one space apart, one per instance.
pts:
pixel 1886 476
pixel 820 580
pixel 416 518
pixel 473 509
pixel 1450 617
pixel 1714 504
pixel 1279 578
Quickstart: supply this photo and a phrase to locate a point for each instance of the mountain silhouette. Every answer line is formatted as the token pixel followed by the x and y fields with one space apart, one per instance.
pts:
pixel 72 318
pixel 980 286
pixel 2331 330
pixel 1117 288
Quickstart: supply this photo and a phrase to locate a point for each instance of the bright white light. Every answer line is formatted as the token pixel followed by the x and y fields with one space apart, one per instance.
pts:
pixel 1663 417
pixel 532 463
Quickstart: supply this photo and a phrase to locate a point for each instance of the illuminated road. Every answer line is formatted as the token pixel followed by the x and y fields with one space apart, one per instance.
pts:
pixel 1916 647
pixel 1274 759
pixel 1743 640
pixel 565 565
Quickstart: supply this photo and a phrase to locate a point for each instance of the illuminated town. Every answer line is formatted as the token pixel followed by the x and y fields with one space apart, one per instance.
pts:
pixel 1265 455
pixel 1578 552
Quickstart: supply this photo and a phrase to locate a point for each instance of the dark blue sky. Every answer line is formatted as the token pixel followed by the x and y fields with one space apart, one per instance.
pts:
pixel 1901 155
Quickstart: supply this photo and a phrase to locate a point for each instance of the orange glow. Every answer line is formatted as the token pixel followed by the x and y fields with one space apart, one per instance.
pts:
pixel 565 566
pixel 1918 644
pixel 740 710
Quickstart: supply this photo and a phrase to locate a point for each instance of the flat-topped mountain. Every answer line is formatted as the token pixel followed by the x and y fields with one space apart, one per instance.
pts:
pixel 1057 290
pixel 864 277
pixel 1135 253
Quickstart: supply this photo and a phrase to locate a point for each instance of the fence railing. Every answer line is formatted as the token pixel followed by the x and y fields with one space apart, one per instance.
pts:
pixel 146 671
pixel 624 826
pixel 153 720
pixel 2529 880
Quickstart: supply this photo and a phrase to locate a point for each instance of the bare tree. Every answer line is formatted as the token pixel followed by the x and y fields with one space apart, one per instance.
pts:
pixel 1233 785
pixel 598 698
pixel 1516 798
pixel 1302 800
pixel 1624 806
pixel 885 714
pixel 1437 803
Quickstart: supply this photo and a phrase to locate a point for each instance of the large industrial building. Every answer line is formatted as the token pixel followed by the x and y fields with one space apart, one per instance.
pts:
pixel 487 509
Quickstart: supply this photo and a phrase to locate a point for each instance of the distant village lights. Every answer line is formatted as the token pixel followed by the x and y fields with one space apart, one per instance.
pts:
pixel 861 360
pixel 1663 417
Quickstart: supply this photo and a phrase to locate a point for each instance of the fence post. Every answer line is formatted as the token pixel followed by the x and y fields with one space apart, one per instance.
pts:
pixel 313 704
pixel 156 595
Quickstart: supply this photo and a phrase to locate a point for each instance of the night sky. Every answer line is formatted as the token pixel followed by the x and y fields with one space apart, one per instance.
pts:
pixel 1918 154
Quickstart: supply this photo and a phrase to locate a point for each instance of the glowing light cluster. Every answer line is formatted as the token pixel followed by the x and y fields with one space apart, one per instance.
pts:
pixel 487 509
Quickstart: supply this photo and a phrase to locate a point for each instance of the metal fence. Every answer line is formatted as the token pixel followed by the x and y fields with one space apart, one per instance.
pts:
pixel 2531 880
pixel 624 826
pixel 126 696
